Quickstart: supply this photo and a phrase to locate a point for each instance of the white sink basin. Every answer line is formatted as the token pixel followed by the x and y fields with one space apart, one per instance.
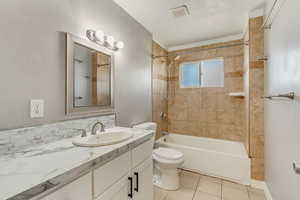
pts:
pixel 102 139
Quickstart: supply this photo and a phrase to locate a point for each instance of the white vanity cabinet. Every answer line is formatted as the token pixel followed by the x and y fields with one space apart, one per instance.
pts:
pixel 118 191
pixel 127 177
pixel 142 171
pixel 110 173
pixel 142 181
pixel 80 189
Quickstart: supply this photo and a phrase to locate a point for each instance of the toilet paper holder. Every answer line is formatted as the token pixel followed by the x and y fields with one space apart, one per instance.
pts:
pixel 296 167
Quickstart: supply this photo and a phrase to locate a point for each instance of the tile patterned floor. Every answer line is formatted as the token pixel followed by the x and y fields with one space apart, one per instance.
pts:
pixel 199 187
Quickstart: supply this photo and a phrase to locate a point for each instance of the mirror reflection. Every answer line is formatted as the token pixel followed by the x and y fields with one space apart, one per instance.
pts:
pixel 92 77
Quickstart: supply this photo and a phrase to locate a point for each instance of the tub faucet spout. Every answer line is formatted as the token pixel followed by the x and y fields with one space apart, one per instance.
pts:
pixel 164 133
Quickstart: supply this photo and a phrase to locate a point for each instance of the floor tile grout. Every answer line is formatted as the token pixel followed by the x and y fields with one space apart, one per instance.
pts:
pixel 195 191
pixel 222 190
pixel 196 177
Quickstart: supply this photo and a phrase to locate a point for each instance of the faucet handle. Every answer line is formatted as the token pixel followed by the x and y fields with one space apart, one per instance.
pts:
pixel 83 131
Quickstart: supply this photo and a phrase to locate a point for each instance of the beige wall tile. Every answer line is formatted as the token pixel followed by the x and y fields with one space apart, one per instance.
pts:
pixel 159 88
pixel 210 112
pixel 205 111
pixel 257 168
pixel 256 103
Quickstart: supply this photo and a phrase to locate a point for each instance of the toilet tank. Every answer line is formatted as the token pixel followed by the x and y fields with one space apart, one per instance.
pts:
pixel 152 126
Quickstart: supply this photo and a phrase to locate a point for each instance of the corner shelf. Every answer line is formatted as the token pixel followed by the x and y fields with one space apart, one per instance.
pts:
pixel 237 94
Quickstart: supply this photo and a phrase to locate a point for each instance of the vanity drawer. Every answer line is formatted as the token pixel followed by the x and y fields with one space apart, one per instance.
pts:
pixel 108 174
pixel 142 152
pixel 79 189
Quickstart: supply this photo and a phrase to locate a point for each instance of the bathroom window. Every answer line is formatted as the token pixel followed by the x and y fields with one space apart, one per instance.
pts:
pixel 204 73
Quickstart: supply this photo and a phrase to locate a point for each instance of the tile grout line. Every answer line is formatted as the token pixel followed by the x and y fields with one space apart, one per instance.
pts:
pixel 221 189
pixel 196 188
pixel 248 192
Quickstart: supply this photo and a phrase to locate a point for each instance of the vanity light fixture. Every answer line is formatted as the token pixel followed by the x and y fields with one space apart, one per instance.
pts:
pixel 119 44
pixel 110 40
pixel 107 41
pixel 100 37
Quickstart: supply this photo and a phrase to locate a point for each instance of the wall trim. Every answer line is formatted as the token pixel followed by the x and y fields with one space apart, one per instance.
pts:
pixel 207 42
pixel 263 186
pixel 159 43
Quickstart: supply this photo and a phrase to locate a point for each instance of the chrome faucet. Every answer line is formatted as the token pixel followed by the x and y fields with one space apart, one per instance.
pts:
pixel 95 128
pixel 81 130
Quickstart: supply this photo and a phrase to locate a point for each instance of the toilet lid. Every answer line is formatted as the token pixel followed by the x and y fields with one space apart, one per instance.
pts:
pixel 167 153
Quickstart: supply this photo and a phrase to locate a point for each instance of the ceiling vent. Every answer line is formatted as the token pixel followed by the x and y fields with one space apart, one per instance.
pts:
pixel 181 11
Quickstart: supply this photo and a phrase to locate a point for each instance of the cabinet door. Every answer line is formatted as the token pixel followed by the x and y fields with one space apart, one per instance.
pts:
pixel 118 191
pixel 142 153
pixel 143 180
pixel 110 173
pixel 80 189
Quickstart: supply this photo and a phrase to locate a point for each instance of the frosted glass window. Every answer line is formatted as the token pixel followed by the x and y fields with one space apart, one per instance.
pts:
pixel 212 73
pixel 190 75
pixel 206 73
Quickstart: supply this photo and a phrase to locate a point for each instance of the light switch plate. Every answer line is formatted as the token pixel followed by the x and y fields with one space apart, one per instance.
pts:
pixel 36 108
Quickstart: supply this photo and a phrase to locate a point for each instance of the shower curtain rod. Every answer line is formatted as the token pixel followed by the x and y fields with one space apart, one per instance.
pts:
pixel 268 18
pixel 202 49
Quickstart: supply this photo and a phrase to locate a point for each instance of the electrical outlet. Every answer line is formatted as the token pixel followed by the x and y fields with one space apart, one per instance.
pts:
pixel 37 108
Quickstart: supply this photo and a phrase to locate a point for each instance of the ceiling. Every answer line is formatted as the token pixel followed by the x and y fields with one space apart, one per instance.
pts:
pixel 208 19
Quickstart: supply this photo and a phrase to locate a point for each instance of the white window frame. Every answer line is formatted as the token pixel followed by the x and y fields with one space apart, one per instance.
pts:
pixel 200 71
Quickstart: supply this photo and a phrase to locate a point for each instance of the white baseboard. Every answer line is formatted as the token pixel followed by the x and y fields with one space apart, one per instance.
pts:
pixel 263 186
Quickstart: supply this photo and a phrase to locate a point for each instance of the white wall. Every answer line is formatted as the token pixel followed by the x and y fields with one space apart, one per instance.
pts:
pixel 282 118
pixel 32 57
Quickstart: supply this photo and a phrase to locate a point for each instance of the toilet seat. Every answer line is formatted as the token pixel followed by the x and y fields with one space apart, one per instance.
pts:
pixel 167 154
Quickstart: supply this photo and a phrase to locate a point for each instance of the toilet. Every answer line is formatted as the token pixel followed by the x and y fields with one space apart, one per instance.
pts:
pixel 166 162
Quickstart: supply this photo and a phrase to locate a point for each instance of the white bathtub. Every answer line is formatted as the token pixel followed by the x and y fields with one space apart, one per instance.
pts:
pixel 219 158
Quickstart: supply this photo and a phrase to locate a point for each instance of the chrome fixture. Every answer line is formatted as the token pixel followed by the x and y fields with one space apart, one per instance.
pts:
pixel 296 167
pixel 163 116
pixel 107 41
pixel 265 58
pixel 164 133
pixel 271 15
pixel 95 127
pixel 290 95
pixel 83 131
pixel 78 98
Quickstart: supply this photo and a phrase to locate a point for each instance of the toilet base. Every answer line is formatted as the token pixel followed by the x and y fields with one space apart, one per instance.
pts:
pixel 168 179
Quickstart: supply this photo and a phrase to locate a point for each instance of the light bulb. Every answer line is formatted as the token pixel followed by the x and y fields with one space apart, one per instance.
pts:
pixel 110 40
pixel 119 45
pixel 100 36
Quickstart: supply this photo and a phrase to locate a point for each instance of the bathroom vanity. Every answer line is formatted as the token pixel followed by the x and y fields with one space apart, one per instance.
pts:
pixel 119 171
pixel 129 175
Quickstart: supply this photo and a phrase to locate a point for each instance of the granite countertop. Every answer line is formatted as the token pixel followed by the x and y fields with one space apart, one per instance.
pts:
pixel 37 169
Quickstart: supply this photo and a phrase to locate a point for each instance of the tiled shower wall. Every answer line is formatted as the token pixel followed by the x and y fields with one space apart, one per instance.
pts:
pixel 256 103
pixel 209 112
pixel 246 87
pixel 159 88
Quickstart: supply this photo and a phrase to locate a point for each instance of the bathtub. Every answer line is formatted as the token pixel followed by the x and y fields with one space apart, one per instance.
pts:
pixel 219 158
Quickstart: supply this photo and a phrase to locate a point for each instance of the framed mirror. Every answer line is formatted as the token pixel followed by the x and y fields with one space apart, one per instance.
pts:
pixel 89 77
